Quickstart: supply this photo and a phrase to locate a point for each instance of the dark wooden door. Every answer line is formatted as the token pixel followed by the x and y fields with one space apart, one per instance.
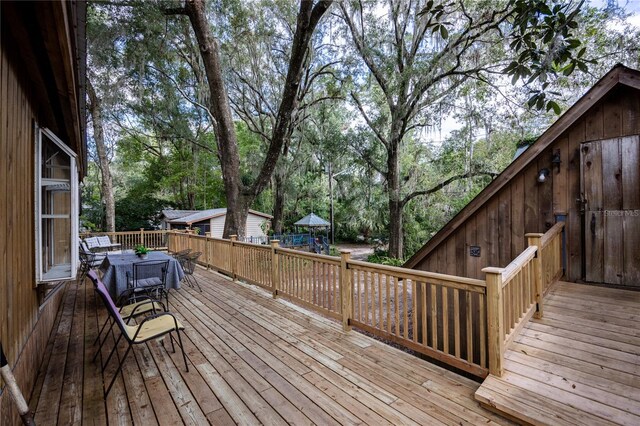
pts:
pixel 611 190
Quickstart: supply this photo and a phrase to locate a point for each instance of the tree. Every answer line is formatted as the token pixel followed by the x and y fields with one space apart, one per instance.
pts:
pixel 239 195
pixel 106 193
pixel 419 53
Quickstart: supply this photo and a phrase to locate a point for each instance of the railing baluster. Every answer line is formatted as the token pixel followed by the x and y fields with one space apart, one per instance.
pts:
pixel 405 310
pixel 445 320
pixel 456 321
pixel 469 328
pixel 434 316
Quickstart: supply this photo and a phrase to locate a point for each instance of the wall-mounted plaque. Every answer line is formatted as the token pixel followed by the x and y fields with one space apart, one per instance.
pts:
pixel 474 251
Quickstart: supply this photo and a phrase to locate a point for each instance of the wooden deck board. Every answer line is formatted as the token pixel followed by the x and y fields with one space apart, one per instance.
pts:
pixel 252 360
pixel 579 364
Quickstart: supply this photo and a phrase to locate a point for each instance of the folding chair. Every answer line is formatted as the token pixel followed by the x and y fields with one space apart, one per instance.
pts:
pixel 188 264
pixel 131 306
pixel 149 278
pixel 151 327
pixel 88 261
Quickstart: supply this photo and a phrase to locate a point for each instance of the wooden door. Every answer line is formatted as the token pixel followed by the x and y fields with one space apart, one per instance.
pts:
pixel 610 186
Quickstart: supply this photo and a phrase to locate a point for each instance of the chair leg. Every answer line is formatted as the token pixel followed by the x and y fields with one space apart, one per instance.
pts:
pixel 115 347
pixel 102 329
pixel 115 375
pixel 184 356
pixel 196 283
pixel 106 336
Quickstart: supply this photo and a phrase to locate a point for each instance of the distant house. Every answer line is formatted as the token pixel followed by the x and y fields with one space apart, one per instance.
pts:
pixel 42 159
pixel 585 171
pixel 212 221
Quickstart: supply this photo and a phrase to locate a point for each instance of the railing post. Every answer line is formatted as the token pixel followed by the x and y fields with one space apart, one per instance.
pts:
pixel 141 236
pixel 495 320
pixel 232 256
pixel 275 268
pixel 206 249
pixel 346 287
pixel 535 239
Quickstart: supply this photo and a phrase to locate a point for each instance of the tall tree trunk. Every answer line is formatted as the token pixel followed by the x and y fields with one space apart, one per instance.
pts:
pixel 223 122
pixel 106 191
pixel 240 197
pixel 278 202
pixel 395 202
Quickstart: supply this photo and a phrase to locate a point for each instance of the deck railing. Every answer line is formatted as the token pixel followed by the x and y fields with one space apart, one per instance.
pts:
pixel 463 322
pixel 439 315
pixel 156 240
pixel 515 293
pixel 551 253
pixel 442 316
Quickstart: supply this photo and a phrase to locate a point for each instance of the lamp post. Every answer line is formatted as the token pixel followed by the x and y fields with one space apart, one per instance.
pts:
pixel 329 169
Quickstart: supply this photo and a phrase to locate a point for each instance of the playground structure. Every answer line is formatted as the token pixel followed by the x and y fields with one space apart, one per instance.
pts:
pixel 316 243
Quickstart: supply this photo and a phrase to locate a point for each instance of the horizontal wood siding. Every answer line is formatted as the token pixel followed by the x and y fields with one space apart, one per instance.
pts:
pixel 524 205
pixel 217 226
pixel 254 224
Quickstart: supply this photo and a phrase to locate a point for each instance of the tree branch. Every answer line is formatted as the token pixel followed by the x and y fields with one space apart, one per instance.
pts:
pixel 444 183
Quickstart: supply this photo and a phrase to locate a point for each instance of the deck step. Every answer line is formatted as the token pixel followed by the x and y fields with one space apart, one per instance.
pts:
pixel 529 407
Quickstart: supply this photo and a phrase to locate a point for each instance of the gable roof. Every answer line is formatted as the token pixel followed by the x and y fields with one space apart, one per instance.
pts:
pixel 200 215
pixel 618 75
pixel 312 221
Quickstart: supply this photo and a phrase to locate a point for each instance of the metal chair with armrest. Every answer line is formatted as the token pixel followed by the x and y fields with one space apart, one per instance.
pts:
pixel 151 327
pixel 149 278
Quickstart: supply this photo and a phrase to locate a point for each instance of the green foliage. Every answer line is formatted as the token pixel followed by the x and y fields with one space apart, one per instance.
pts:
pixel 384 260
pixel 141 249
pixel 137 211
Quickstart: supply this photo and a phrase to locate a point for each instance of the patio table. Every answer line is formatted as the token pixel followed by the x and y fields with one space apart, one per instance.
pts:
pixel 114 270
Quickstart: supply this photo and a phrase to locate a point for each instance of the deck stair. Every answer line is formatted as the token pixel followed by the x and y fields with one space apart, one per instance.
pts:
pixel 579 364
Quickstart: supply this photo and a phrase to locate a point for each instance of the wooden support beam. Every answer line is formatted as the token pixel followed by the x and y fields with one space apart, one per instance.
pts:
pixel 495 320
pixel 275 268
pixel 535 239
pixel 346 287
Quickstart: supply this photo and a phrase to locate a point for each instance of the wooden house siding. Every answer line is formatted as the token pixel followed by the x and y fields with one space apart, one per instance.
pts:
pixel 254 225
pixel 34 89
pixel 24 324
pixel 217 226
pixel 498 223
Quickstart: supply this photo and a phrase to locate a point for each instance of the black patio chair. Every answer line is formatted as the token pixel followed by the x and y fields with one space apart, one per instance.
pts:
pixel 149 278
pixel 151 327
pixel 180 254
pixel 88 261
pixel 188 264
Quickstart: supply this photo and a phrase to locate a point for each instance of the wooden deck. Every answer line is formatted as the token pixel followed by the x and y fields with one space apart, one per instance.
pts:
pixel 252 360
pixel 580 364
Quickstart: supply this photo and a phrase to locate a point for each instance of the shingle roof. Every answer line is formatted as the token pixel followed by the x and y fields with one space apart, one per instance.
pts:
pixel 171 214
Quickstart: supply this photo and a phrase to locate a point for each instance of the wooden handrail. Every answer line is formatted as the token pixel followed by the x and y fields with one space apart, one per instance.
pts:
pixel 310 256
pixel 423 275
pixel 552 232
pixel 512 269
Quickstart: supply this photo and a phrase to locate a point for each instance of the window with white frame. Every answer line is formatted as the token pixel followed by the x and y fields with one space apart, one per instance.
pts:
pixel 56 208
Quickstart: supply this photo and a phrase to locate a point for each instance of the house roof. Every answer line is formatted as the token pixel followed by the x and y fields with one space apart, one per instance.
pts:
pixel 200 215
pixel 50 39
pixel 618 75
pixel 171 214
pixel 312 221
